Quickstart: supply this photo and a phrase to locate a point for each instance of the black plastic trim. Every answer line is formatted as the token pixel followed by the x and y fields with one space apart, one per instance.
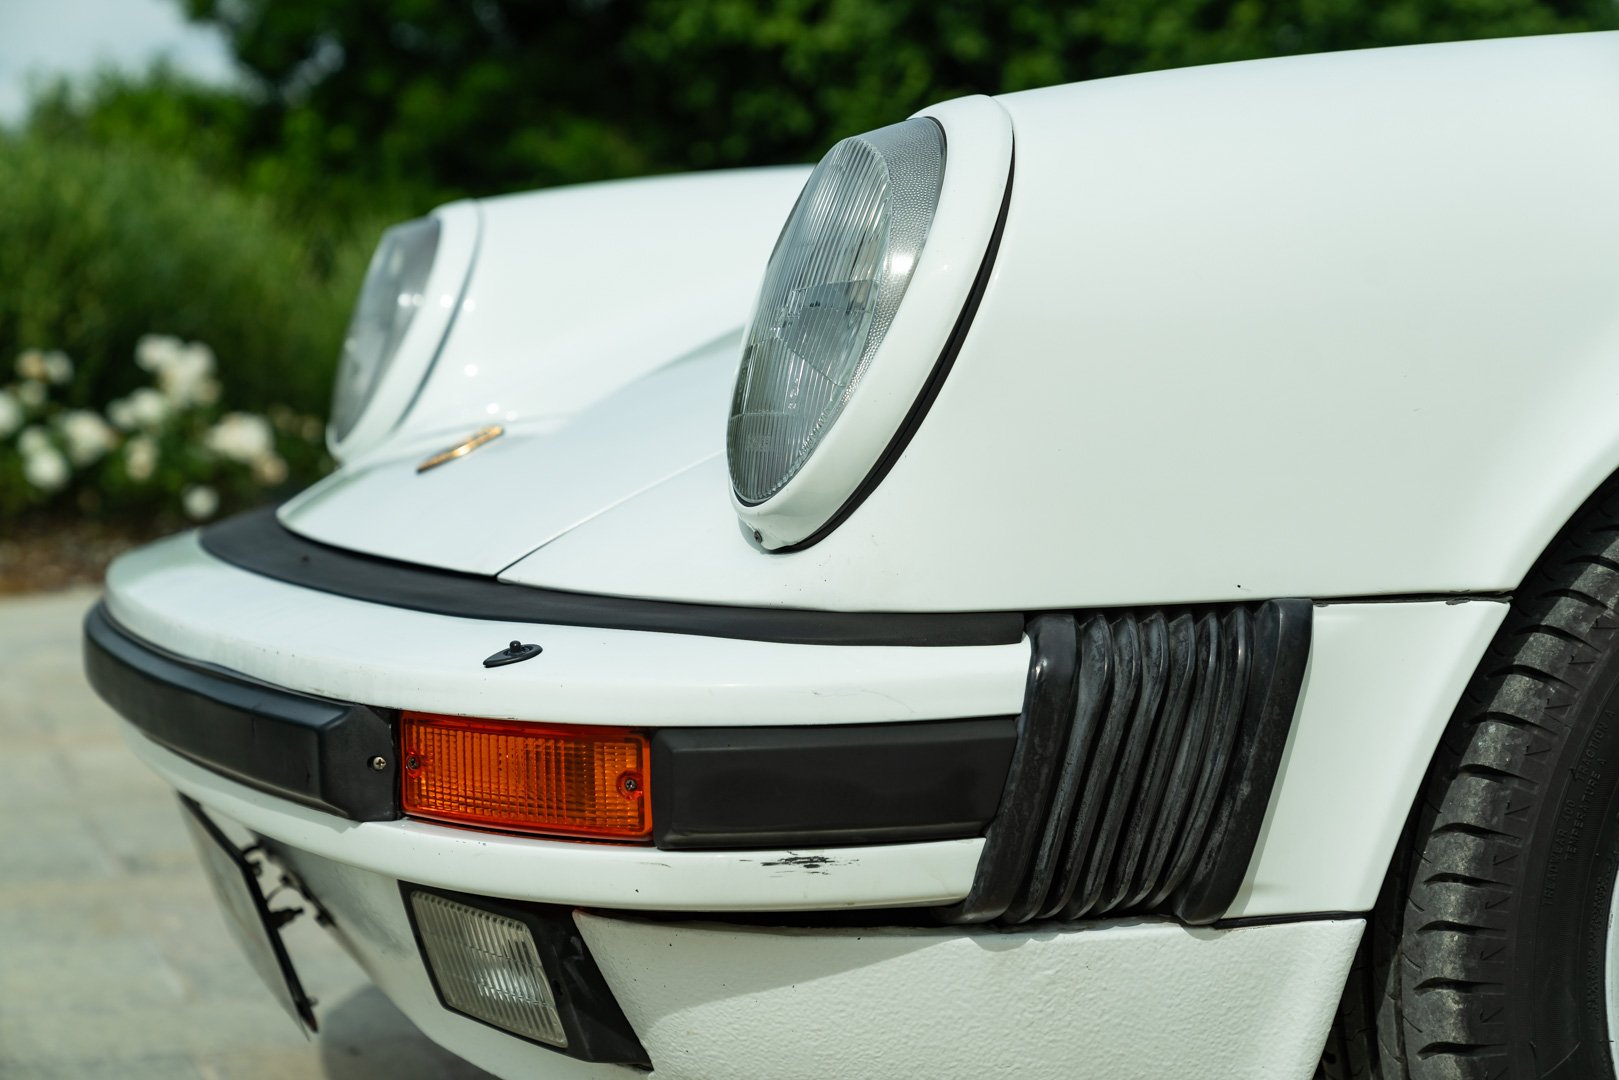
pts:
pixel 257 542
pixel 595 1024
pixel 1048 703
pixel 311 750
pixel 297 1001
pixel 1281 630
pixel 930 390
pixel 1148 750
pixel 787 787
pixel 777 787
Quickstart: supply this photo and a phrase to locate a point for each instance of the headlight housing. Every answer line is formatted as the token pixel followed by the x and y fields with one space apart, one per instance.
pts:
pixel 393 292
pixel 417 283
pixel 831 288
pixel 859 315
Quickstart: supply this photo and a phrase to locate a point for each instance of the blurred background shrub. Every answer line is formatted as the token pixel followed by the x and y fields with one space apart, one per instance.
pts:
pixel 356 104
pixel 169 449
pixel 101 244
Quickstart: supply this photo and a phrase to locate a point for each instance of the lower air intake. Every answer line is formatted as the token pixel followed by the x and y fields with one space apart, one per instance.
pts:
pixel 1147 751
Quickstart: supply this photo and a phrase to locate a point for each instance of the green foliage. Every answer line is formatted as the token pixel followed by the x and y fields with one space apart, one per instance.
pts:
pixel 100 245
pixel 167 450
pixel 409 102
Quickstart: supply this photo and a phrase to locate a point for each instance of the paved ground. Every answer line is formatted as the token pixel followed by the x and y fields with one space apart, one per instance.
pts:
pixel 113 961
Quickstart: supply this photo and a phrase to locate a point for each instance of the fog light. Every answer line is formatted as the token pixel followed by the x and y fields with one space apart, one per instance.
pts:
pixel 487 966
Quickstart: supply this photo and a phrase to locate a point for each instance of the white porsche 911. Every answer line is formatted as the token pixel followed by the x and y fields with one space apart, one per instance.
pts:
pixel 1138 598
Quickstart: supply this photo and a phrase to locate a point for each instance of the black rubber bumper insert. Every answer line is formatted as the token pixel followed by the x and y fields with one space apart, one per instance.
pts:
pixel 821 786
pixel 319 753
pixel 1147 752
pixel 769 787
pixel 257 542
pixel 1135 780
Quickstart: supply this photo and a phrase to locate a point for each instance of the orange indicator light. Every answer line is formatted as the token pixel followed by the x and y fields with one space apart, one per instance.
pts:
pixel 539 778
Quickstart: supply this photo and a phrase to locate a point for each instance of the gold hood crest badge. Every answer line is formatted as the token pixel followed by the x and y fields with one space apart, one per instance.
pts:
pixel 462 449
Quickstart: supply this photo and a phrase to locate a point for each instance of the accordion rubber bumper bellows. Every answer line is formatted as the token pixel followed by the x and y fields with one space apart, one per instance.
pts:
pixel 1148 747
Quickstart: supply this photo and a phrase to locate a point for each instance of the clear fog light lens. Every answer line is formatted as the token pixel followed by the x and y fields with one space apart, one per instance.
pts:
pixel 487 966
pixel 831 289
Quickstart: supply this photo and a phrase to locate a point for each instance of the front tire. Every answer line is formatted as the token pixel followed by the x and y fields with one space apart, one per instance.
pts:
pixel 1488 954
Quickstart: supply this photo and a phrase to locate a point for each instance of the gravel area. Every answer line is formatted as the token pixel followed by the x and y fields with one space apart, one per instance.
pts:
pixel 64 553
pixel 114 962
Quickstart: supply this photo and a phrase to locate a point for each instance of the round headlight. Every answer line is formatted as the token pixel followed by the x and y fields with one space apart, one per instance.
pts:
pixel 394 291
pixel 831 289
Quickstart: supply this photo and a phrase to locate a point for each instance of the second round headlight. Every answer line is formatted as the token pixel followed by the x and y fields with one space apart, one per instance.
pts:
pixel 833 284
pixel 392 294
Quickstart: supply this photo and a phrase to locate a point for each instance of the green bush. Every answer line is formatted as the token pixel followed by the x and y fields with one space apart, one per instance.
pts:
pixel 100 245
pixel 169 450
pixel 347 101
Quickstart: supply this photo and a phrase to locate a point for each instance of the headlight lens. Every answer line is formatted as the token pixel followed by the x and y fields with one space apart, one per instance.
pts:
pixel 831 289
pixel 392 294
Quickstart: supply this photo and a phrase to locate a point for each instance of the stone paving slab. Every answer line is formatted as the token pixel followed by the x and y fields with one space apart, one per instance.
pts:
pixel 114 961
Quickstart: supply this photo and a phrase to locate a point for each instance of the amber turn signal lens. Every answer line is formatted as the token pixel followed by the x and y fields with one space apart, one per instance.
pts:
pixel 505 774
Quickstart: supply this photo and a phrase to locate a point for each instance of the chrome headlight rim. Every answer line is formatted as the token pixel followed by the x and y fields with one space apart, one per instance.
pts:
pixel 906 370
pixel 444 295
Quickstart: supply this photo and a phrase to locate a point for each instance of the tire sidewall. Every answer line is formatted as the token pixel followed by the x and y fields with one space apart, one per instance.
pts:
pixel 1560 940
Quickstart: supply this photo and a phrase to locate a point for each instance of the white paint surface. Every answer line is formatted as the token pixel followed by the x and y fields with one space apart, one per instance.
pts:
pixel 1140 1000
pixel 1330 326
pixel 1382 683
pixel 176 596
pixel 546 476
pixel 631 876
pixel 1111 1001
pixel 580 290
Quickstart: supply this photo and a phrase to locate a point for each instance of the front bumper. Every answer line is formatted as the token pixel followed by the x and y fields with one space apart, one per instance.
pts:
pixel 1139 1000
pixel 1131 998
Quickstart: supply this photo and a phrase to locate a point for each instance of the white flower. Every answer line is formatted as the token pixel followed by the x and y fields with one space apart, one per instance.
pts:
pixel 58 368
pixel 121 413
pixel 184 372
pixel 87 435
pixel 33 440
pixel 10 413
pixel 154 352
pixel 31 393
pixel 242 437
pixel 140 458
pixel 147 408
pixel 200 502
pixel 46 469
pixel 31 364
pixel 270 470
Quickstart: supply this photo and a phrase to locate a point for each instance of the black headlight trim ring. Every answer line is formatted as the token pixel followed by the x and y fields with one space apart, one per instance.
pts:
pixel 930 390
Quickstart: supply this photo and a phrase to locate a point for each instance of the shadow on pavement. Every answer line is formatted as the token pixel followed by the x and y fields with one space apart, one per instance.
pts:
pixel 364 1036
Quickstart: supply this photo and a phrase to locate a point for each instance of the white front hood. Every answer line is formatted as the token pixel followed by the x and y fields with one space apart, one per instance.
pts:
pixel 483 512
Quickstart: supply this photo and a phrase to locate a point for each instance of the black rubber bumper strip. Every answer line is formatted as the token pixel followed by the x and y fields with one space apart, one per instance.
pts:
pixel 775 787
pixel 787 787
pixel 313 751
pixel 257 542
pixel 1148 750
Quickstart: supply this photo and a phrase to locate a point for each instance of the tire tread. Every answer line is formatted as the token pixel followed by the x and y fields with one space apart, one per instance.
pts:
pixel 1438 947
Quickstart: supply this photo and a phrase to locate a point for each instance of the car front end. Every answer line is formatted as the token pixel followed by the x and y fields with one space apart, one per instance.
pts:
pixel 1022 659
